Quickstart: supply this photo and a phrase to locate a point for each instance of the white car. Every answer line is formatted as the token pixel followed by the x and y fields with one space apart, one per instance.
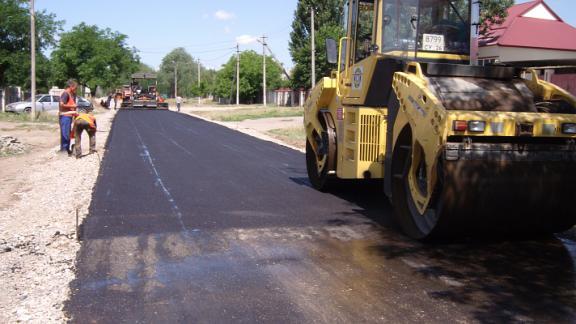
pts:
pixel 44 103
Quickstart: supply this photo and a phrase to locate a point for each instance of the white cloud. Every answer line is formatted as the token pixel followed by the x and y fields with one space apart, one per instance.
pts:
pixel 223 15
pixel 246 39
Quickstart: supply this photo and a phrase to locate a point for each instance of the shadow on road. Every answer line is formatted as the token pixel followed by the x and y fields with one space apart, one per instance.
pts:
pixel 246 243
pixel 497 279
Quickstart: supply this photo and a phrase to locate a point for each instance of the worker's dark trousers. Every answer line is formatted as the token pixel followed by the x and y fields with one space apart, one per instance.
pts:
pixel 65 128
pixel 79 128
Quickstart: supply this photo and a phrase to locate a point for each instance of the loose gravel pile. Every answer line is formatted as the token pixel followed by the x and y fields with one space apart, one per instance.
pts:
pixel 38 243
pixel 10 145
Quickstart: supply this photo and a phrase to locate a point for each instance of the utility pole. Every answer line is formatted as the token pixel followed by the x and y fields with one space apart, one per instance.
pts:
pixel 313 46
pixel 237 74
pixel 264 69
pixel 199 94
pixel 175 79
pixel 32 60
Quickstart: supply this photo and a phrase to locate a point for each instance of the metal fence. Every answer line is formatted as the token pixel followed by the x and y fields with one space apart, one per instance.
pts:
pixel 10 95
pixel 288 97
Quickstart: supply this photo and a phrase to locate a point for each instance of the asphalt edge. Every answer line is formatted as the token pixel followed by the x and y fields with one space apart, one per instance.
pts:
pixel 253 133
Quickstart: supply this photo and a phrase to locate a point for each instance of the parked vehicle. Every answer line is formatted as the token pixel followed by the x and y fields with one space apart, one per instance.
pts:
pixel 44 103
pixel 84 103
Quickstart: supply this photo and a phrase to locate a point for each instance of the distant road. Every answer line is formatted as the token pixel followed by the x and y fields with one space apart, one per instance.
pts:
pixel 196 223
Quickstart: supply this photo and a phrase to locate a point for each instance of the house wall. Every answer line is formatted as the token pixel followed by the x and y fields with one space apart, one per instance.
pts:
pixel 521 54
pixel 565 81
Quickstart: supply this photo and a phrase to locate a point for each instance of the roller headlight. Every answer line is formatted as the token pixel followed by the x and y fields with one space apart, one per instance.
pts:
pixel 569 128
pixel 476 126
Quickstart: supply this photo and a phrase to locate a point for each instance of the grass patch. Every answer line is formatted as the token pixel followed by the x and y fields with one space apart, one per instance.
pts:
pixel 251 113
pixel 293 136
pixel 25 118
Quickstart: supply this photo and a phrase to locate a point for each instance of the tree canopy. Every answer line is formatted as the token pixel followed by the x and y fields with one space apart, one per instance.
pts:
pixel 187 73
pixel 327 20
pixel 15 43
pixel 328 16
pixel 250 77
pixel 493 12
pixel 94 57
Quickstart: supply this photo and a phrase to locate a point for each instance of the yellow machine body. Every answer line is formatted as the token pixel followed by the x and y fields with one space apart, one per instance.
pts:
pixel 363 111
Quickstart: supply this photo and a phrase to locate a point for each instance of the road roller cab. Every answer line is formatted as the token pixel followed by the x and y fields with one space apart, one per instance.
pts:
pixel 460 148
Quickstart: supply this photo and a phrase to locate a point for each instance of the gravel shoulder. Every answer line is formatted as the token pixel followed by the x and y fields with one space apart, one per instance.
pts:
pixel 41 194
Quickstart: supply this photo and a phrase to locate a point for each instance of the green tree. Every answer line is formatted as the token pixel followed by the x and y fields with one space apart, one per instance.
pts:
pixel 327 24
pixel 15 43
pixel 187 73
pixel 208 83
pixel 95 57
pixel 493 12
pixel 145 68
pixel 250 77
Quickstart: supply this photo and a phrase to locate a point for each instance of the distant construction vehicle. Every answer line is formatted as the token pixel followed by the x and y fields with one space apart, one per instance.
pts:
pixel 143 93
pixel 461 149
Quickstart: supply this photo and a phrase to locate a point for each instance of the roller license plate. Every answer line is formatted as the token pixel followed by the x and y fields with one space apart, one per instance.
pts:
pixel 433 42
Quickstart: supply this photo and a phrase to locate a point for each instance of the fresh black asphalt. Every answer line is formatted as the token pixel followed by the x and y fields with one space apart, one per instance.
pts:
pixel 192 222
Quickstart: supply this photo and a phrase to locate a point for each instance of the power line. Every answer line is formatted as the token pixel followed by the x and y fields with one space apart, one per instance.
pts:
pixel 218 58
pixel 277 61
pixel 212 43
pixel 213 50
pixel 191 52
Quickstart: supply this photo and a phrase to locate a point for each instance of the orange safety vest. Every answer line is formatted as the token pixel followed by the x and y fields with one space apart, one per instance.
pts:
pixel 90 119
pixel 68 111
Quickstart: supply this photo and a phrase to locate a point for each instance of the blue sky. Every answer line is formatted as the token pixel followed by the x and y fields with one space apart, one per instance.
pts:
pixel 207 29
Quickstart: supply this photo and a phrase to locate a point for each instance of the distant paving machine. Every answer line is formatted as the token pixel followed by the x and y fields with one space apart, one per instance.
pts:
pixel 143 93
pixel 461 149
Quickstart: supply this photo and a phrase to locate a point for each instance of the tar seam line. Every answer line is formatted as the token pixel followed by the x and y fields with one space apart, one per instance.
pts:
pixel 169 197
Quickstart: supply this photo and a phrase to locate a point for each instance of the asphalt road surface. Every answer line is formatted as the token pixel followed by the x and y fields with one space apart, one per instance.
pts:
pixel 195 223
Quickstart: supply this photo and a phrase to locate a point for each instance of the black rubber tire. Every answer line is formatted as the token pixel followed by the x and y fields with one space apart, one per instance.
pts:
pixel 320 181
pixel 477 217
pixel 27 110
pixel 413 224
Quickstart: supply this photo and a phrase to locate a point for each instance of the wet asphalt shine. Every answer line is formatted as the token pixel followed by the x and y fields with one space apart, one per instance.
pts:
pixel 195 223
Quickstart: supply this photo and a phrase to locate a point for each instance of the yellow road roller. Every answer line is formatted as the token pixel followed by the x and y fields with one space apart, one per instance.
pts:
pixel 461 149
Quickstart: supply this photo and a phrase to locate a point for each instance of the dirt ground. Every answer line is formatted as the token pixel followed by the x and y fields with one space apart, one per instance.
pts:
pixel 40 194
pixel 37 139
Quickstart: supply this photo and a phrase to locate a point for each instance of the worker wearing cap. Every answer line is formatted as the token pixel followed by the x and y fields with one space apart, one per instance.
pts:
pixel 66 114
pixel 84 121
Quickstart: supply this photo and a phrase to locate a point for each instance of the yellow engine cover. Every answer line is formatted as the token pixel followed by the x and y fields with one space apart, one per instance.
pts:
pixel 361 142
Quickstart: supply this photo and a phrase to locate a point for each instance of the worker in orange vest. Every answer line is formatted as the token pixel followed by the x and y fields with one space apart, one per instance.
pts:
pixel 160 98
pixel 66 114
pixel 84 121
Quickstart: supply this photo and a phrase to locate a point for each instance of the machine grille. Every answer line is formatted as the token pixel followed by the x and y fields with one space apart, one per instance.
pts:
pixel 370 137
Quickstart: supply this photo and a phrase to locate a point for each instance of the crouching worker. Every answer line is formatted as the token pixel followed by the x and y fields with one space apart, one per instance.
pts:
pixel 85 121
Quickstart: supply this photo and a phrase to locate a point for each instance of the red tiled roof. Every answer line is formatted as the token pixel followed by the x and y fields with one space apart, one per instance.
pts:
pixel 519 31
